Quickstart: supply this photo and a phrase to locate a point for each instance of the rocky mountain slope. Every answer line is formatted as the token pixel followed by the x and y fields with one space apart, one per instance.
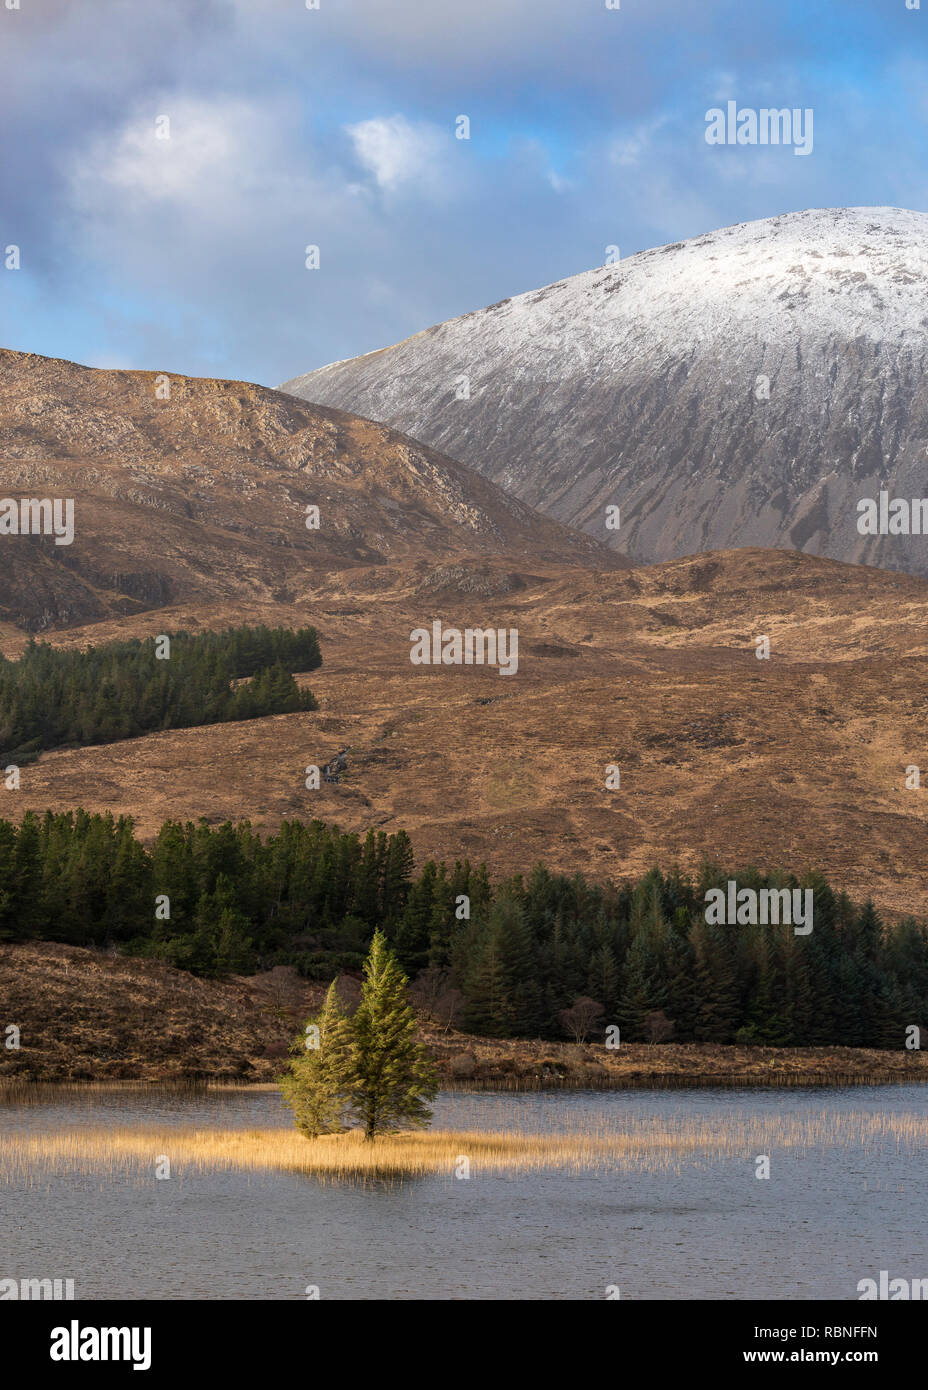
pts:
pixel 203 495
pixel 744 388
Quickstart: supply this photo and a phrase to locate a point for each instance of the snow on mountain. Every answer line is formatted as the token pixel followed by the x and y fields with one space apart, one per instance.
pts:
pixel 746 387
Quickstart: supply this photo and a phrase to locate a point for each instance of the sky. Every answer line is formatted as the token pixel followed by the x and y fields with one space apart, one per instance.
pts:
pixel 164 166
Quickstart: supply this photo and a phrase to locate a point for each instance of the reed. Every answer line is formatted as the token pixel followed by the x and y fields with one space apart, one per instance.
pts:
pixel 643 1142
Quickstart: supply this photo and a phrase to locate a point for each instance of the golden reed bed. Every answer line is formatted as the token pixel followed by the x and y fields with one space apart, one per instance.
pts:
pixel 646 1143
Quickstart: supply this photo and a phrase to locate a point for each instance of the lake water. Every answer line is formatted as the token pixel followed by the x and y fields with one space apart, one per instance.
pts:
pixel 702 1227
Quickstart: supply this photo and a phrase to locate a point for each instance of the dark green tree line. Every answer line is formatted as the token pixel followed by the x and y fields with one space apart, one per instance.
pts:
pixel 53 698
pixel 515 955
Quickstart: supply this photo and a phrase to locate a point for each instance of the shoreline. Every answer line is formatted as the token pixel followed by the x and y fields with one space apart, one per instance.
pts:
pixel 90 1018
pixel 21 1089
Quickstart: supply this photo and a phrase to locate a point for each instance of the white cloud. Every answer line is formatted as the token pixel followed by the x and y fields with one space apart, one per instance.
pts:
pixel 215 147
pixel 397 152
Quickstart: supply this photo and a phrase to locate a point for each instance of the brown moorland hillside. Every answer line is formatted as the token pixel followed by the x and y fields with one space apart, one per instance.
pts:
pixel 202 497
pixel 796 762
pixel 190 513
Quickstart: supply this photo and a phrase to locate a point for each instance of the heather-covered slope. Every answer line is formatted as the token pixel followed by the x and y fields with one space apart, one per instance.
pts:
pixel 202 495
pixel 796 762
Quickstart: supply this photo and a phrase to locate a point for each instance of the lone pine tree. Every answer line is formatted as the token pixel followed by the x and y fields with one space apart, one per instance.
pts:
pixel 389 1073
pixel 370 1068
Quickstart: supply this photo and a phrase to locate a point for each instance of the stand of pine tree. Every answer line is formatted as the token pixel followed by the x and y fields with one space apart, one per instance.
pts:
pixel 53 698
pixel 639 955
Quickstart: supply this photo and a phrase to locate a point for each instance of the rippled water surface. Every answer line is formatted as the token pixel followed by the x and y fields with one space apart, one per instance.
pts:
pixel 698 1227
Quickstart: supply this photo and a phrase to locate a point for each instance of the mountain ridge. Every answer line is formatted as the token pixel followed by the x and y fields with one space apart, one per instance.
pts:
pixel 203 494
pixel 747 387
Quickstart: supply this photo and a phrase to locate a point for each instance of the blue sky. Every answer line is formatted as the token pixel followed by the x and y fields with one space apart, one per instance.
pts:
pixel 335 127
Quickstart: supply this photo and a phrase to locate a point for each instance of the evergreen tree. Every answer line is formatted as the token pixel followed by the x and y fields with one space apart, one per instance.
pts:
pixel 603 979
pixel 645 987
pixel 483 970
pixel 390 1075
pixel 316 1086
pixel 53 697
pixel 414 930
pixel 678 956
pixel 715 985
pixel 309 896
